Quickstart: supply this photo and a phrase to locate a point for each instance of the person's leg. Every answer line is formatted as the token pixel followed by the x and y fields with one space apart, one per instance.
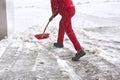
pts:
pixel 70 33
pixel 61 31
pixel 74 40
pixel 68 27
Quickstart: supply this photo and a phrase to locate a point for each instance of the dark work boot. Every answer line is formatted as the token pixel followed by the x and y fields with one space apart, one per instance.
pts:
pixel 58 45
pixel 78 55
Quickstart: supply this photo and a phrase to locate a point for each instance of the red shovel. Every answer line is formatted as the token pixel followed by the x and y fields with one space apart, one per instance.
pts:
pixel 43 35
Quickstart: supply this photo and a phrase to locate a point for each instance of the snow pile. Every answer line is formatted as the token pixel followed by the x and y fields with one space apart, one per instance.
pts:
pixel 3 46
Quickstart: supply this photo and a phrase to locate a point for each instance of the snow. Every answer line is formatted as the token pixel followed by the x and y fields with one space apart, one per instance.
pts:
pixel 96 24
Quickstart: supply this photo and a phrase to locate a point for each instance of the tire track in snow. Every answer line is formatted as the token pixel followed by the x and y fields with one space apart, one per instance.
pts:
pixel 62 64
pixel 92 67
pixel 26 58
pixel 46 66
pixel 65 67
pixel 8 59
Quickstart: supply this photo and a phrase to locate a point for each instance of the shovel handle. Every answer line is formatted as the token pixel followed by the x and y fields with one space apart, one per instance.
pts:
pixel 46 27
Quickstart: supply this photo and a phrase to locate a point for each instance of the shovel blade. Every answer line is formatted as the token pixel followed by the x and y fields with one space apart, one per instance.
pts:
pixel 42 36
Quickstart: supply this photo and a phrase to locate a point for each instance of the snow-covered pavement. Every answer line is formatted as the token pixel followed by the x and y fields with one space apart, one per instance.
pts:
pixel 32 59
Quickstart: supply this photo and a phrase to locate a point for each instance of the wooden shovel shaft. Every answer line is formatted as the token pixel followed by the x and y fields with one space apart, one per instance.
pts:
pixel 45 28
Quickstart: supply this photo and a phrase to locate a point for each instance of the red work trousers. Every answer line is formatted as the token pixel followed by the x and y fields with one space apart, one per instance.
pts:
pixel 65 26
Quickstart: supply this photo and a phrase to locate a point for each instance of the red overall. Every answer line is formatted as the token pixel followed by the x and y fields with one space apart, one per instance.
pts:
pixel 67 10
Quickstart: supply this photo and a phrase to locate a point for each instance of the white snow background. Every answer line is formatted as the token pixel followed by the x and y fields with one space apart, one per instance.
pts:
pixel 96 24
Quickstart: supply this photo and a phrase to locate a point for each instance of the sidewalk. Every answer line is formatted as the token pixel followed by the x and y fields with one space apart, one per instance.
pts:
pixel 31 59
